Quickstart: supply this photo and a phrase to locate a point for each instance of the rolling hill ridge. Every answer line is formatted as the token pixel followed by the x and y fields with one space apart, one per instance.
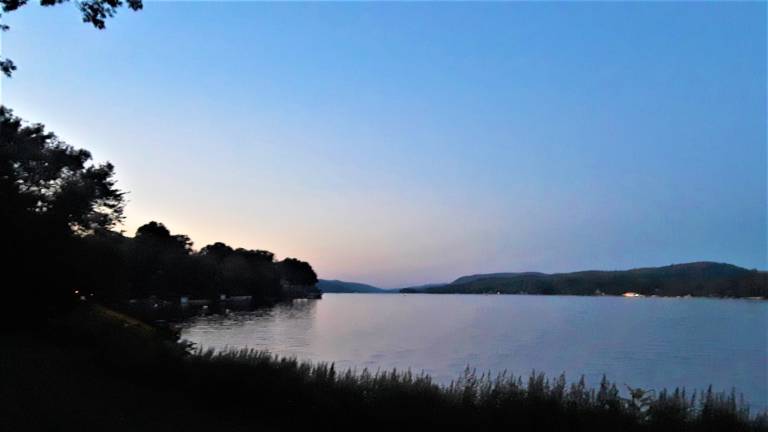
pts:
pixel 700 279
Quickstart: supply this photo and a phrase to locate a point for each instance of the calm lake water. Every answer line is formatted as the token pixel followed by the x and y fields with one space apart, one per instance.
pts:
pixel 643 342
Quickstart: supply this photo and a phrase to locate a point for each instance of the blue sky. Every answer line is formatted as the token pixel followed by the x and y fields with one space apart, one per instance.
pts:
pixel 405 143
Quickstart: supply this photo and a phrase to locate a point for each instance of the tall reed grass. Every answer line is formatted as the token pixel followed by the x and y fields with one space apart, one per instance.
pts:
pixel 492 401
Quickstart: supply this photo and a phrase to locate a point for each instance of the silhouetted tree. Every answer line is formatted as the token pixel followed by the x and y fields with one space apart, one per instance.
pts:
pixel 297 272
pixel 159 261
pixel 52 196
pixel 243 272
pixel 158 236
pixel 217 251
pixel 43 177
pixel 101 266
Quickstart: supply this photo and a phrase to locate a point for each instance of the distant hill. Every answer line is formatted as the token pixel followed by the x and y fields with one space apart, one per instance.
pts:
pixel 337 286
pixel 472 278
pixel 419 288
pixel 705 279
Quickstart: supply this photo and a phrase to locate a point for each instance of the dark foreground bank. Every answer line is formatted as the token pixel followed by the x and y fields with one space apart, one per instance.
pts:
pixel 95 369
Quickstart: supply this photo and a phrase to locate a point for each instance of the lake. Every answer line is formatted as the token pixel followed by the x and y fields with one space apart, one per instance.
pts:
pixel 643 342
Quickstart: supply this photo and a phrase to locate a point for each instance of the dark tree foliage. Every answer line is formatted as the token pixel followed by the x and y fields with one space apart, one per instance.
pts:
pixel 53 196
pixel 245 272
pixel 157 261
pixel 297 272
pixel 94 12
pixel 156 235
pixel 217 251
pixel 164 265
pixel 58 215
pixel 44 178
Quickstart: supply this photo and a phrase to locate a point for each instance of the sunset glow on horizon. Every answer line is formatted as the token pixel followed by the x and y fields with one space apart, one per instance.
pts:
pixel 408 143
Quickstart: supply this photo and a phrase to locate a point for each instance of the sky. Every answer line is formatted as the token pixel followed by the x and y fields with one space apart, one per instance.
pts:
pixel 406 143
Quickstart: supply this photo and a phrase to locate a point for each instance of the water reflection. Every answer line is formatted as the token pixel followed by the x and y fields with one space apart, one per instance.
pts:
pixel 287 325
pixel 651 342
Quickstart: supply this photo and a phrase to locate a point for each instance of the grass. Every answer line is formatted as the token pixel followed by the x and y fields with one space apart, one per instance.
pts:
pixel 483 401
pixel 99 370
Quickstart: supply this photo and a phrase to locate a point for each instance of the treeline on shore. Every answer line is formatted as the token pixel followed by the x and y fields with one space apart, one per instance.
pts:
pixel 101 370
pixel 60 213
pixel 699 279
pixel 156 263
